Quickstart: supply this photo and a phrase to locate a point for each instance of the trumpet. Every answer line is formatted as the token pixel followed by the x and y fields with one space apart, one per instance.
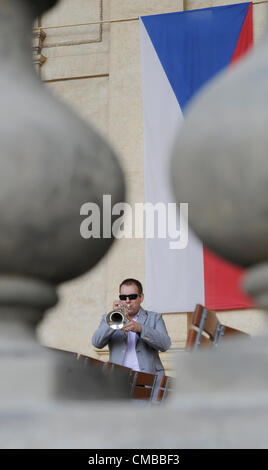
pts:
pixel 117 318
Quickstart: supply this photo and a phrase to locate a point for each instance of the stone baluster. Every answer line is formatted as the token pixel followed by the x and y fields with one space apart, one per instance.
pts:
pixel 51 162
pixel 220 167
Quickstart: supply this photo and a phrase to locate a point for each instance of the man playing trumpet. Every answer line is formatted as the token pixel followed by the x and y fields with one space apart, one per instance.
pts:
pixel 138 343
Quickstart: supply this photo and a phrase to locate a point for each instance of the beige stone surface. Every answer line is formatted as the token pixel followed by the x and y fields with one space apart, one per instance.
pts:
pixel 72 35
pixel 68 12
pixel 72 12
pixel 76 51
pixel 89 97
pixel 196 4
pixel 250 321
pixel 70 325
pixel 77 61
pixel 259 21
pixel 126 259
pixel 130 8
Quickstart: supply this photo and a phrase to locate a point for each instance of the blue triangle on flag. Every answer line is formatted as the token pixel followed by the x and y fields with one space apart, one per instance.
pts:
pixel 195 45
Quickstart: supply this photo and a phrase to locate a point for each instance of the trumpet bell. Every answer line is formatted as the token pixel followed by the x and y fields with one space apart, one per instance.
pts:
pixel 116 319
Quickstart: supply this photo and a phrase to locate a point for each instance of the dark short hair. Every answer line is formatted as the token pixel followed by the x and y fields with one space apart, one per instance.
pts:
pixel 130 281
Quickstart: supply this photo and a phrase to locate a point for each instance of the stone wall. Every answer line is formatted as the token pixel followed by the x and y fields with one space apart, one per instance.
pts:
pixel 96 69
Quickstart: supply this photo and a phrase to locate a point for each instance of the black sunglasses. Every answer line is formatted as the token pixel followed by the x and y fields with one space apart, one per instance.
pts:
pixel 130 296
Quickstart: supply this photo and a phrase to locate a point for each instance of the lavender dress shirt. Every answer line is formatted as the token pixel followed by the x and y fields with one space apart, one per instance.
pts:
pixel 130 358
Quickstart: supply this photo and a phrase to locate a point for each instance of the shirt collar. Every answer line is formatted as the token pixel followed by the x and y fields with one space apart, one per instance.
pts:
pixel 137 316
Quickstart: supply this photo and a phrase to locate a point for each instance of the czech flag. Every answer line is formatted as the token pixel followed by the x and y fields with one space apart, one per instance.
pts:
pixel 180 53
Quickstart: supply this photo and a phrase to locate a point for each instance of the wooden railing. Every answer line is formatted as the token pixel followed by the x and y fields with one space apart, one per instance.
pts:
pixel 142 385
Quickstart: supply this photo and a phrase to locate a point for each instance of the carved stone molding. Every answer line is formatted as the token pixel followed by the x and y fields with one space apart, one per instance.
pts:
pixel 73 33
pixel 38 58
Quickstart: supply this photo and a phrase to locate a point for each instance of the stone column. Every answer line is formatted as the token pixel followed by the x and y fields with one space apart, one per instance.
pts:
pixel 51 163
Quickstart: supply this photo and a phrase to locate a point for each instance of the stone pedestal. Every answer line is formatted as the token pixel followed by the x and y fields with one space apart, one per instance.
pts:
pixel 51 163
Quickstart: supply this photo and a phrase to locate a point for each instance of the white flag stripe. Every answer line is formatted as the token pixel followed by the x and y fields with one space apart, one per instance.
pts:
pixel 174 279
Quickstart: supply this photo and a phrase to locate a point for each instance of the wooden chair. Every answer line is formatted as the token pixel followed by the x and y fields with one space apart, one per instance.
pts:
pixel 166 386
pixel 142 385
pixel 194 340
pixel 207 330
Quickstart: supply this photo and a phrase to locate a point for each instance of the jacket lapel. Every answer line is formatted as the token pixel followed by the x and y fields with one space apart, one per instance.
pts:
pixel 141 320
pixel 142 316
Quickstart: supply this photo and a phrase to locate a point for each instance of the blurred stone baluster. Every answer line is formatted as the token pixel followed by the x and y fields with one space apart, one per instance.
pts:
pixel 51 162
pixel 220 167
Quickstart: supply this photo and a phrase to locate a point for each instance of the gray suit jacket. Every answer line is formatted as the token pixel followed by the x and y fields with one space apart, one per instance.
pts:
pixel 153 338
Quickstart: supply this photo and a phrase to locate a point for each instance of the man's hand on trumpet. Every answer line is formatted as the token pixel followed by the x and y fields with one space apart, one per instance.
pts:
pixel 132 325
pixel 117 304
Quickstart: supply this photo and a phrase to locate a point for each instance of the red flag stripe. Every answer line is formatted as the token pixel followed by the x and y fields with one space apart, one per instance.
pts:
pixel 245 40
